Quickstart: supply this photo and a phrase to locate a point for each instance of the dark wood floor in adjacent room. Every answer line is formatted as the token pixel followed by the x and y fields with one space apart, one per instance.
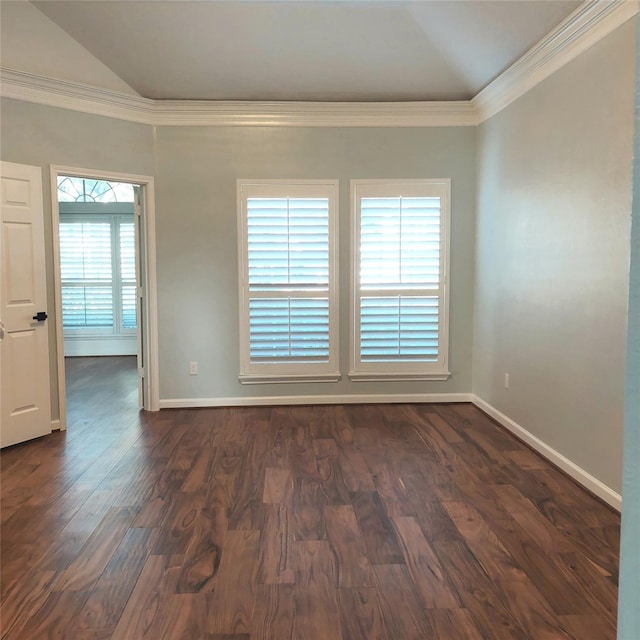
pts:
pixel 320 522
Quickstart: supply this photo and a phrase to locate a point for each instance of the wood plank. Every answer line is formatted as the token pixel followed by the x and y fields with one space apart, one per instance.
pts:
pixel 275 563
pixel 360 615
pixel 182 616
pixel 203 554
pixel 431 581
pixel 392 490
pixel 564 596
pixel 429 419
pixel 26 597
pixel 531 520
pixel 454 623
pixel 588 626
pixel 402 611
pixel 154 586
pixel 179 525
pixel 333 482
pixel 597 589
pixel 274 612
pixel 315 600
pixel 108 599
pixel 246 509
pixel 478 593
pixel 278 485
pixel 483 542
pixel 233 600
pixel 355 471
pixel 533 612
pixel 309 500
pixel 348 546
pixel 377 531
pixel 53 618
pixel 85 570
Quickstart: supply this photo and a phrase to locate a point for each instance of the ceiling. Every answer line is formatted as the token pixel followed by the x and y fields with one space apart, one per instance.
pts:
pixel 345 51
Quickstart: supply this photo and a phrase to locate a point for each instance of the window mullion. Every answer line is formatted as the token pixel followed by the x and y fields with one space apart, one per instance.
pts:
pixel 115 275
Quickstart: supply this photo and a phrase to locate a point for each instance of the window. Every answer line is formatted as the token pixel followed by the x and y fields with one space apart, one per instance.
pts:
pixel 399 264
pixel 98 273
pixel 72 189
pixel 288 293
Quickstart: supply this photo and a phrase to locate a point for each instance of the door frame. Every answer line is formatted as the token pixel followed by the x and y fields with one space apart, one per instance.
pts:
pixel 149 328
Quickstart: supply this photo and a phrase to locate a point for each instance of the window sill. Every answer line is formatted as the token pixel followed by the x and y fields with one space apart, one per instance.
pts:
pixel 250 378
pixel 401 376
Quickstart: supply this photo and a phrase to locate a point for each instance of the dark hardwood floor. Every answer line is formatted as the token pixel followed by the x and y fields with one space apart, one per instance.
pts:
pixel 319 522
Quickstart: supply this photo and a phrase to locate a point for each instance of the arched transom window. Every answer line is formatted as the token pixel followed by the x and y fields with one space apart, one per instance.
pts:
pixel 71 189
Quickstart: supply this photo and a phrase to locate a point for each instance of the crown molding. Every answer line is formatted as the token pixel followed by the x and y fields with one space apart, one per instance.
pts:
pixel 316 114
pixel 28 87
pixel 51 92
pixel 589 23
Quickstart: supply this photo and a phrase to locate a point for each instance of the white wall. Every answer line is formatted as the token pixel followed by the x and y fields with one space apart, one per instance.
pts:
pixel 196 218
pixel 30 42
pixel 196 170
pixel 38 135
pixel 553 256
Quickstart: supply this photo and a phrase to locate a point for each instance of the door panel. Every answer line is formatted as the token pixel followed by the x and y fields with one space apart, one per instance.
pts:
pixel 24 349
pixel 20 284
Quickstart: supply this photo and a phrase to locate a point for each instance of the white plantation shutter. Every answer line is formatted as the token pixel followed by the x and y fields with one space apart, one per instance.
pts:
pixel 97 268
pixel 288 281
pixel 399 328
pixel 399 306
pixel 86 272
pixel 127 274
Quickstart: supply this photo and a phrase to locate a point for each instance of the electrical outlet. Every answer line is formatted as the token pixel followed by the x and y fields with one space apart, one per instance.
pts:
pixel 506 380
pixel 193 368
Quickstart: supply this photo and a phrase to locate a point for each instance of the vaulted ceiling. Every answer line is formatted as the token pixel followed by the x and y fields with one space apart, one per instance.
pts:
pixel 317 50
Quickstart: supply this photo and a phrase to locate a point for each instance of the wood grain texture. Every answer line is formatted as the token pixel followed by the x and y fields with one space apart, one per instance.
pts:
pixel 348 547
pixel 274 612
pixel 315 594
pixel 233 600
pixel 360 614
pixel 367 522
pixel 402 609
pixel 428 575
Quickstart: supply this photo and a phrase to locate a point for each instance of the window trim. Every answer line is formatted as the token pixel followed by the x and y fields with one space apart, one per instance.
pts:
pixel 287 372
pixel 361 371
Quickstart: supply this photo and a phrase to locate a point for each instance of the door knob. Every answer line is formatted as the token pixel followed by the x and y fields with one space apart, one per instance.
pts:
pixel 41 316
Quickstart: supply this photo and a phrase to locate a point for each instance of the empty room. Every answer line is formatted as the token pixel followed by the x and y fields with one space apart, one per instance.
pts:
pixel 319 320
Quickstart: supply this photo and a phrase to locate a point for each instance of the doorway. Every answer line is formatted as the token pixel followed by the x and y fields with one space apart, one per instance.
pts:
pixel 103 231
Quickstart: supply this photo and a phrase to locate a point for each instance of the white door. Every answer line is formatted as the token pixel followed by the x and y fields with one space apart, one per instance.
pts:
pixel 139 236
pixel 24 350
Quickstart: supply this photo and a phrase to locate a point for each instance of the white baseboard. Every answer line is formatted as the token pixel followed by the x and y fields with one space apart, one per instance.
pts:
pixel 256 401
pixel 56 425
pixel 577 473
